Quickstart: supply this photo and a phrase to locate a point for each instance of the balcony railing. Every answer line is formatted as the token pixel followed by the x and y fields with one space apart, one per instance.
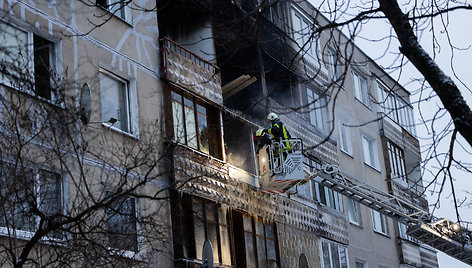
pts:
pixel 169 45
pixel 188 70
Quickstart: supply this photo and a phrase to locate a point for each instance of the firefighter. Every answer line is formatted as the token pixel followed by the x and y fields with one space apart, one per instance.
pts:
pixel 278 130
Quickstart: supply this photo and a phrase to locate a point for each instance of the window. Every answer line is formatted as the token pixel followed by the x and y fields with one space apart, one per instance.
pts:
pixel 122 224
pixel 379 222
pixel 20 190
pixel 303 28
pixel 334 65
pixel 334 255
pixel 276 12
pixel 255 241
pixel 198 220
pixel 396 158
pixel 317 108
pixel 118 103
pixel 193 122
pixel 360 264
pixel 402 229
pixel 119 8
pixel 396 108
pixel 27 57
pixel 328 197
pixel 345 142
pixel 361 89
pixel 369 149
pixel 354 211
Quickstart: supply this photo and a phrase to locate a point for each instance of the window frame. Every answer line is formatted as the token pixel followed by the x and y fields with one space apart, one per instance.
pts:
pixel 317 106
pixel 328 197
pixel 55 58
pixel 313 50
pixel 7 231
pixel 361 88
pixel 345 137
pixel 130 103
pixel 361 262
pixel 139 247
pixel 249 231
pixel 382 226
pixel 213 138
pixel 331 256
pixel 124 13
pixel 397 162
pixel 354 216
pixel 334 65
pixel 389 105
pixel 371 157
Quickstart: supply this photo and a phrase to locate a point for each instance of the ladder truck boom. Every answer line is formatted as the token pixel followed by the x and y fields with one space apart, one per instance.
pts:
pixel 281 169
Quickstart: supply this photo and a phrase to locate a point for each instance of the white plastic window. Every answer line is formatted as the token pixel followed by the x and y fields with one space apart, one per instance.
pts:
pixel 361 89
pixel 345 143
pixel 379 222
pixel 116 102
pixel 369 150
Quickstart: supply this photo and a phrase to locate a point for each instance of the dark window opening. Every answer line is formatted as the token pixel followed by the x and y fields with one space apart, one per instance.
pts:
pixel 238 143
pixel 42 67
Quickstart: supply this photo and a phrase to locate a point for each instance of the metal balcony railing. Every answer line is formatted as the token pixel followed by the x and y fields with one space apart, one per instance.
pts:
pixel 168 45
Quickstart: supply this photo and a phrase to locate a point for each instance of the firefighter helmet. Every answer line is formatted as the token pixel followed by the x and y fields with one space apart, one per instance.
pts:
pixel 272 117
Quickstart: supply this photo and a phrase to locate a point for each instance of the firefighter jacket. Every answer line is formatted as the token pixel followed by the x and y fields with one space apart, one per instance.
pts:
pixel 278 131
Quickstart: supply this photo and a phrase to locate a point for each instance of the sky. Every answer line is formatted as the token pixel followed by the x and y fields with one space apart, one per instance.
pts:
pixel 456 64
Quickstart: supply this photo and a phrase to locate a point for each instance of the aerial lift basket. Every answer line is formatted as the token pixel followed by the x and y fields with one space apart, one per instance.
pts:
pixel 281 166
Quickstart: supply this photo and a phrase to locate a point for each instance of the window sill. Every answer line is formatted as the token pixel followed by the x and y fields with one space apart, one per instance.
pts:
pixel 27 235
pixel 347 153
pixel 382 234
pixel 115 129
pixel 372 167
pixel 358 225
pixel 128 254
pixel 364 104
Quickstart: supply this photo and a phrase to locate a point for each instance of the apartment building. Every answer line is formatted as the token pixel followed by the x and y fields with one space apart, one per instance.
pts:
pixel 340 103
pixel 155 154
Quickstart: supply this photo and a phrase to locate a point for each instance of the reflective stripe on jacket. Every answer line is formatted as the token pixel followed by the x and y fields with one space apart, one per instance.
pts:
pixel 279 131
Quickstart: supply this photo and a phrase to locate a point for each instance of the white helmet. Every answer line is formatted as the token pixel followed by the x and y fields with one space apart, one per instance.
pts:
pixel 272 117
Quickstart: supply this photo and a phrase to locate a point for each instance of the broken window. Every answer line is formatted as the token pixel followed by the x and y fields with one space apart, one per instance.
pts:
pixel 254 241
pixel 238 136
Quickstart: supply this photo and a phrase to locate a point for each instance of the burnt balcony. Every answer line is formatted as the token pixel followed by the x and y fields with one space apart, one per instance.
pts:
pixel 186 69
